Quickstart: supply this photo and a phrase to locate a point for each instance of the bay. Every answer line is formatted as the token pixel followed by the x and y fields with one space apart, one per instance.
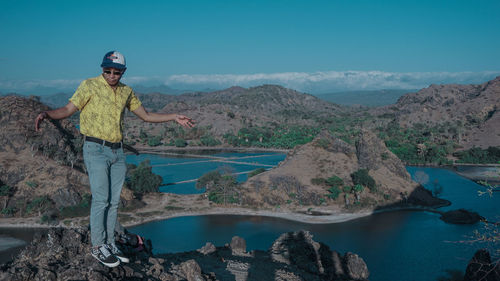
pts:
pixel 396 245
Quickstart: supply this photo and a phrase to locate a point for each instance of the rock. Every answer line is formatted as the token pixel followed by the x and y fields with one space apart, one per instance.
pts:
pixel 207 249
pixel 423 197
pixel 337 267
pixel 65 196
pixel 238 269
pixel 480 267
pixel 297 248
pixel 63 254
pixel 461 216
pixel 238 245
pixel 356 267
pixel 192 270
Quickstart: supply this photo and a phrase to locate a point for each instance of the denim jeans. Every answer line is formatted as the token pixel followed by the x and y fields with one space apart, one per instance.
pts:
pixel 106 168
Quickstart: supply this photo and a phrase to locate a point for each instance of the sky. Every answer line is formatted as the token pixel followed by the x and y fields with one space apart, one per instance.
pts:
pixel 312 46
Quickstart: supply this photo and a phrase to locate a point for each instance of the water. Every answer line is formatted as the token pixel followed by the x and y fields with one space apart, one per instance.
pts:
pixel 402 245
pixel 13 240
pixel 176 169
pixel 413 244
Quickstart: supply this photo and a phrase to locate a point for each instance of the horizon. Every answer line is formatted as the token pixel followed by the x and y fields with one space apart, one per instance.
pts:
pixel 316 47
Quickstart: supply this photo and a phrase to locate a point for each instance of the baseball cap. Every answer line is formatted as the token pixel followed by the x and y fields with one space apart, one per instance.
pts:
pixel 114 59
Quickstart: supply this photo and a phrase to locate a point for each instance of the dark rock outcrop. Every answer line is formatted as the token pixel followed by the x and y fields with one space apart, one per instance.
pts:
pixel 461 216
pixel 298 249
pixel 63 254
pixel 480 267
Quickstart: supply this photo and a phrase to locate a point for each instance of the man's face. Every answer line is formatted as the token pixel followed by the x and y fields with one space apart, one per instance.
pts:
pixel 112 75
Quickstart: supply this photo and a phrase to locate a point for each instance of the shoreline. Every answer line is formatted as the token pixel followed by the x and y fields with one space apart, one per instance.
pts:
pixel 335 217
pixel 292 216
pixel 158 149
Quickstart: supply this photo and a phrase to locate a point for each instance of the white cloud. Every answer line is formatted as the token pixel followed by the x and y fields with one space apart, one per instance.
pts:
pixel 330 81
pixel 314 82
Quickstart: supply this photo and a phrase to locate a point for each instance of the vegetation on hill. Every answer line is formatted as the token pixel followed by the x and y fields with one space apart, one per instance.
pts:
pixel 477 155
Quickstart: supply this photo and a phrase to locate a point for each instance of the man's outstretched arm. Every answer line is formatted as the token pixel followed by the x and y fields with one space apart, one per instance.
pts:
pixel 56 114
pixel 163 117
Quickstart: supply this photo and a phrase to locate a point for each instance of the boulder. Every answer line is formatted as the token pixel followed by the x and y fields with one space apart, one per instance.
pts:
pixel 480 267
pixel 238 245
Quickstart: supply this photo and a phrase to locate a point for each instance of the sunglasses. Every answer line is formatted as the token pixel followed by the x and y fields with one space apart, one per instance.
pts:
pixel 117 73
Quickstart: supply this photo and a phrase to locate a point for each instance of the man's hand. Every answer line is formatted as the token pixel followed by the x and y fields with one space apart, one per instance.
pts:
pixel 39 120
pixel 184 121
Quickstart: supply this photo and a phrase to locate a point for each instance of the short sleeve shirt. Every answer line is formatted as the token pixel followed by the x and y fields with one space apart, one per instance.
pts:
pixel 102 108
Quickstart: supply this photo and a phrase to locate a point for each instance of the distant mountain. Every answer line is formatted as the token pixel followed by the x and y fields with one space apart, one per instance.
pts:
pixel 365 98
pixel 56 100
pixel 161 89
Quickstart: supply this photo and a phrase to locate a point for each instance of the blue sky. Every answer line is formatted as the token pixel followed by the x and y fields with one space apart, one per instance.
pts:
pixel 308 45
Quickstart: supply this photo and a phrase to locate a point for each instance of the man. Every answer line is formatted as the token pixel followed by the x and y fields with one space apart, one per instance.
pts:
pixel 102 101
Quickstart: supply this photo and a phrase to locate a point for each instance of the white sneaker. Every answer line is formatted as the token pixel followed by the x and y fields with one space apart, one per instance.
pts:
pixel 115 251
pixel 104 255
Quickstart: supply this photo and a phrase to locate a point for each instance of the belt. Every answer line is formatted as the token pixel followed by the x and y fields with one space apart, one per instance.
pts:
pixel 113 145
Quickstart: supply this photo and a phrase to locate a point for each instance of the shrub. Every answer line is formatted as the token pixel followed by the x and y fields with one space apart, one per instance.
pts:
pixel 318 181
pixel 358 188
pixel 334 181
pixel 256 172
pixel 40 203
pixel 334 192
pixel 141 179
pixel 384 156
pixel 80 210
pixel 6 190
pixel 8 210
pixel 362 177
pixel 323 143
pixel 180 143
pixel 347 189
pixel 208 140
pixel 154 141
pixel 31 184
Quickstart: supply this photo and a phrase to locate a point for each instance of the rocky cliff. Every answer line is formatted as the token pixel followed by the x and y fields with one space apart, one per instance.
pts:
pixel 63 254
pixel 312 173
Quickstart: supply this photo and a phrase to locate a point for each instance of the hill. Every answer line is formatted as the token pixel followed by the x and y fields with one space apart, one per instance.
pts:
pixel 219 113
pixel 470 113
pixel 336 177
pixel 39 171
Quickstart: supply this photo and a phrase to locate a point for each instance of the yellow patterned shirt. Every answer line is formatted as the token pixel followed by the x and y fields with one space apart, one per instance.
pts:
pixel 102 108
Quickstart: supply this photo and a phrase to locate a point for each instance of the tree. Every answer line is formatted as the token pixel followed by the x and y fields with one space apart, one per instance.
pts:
pixel 358 188
pixel 141 179
pixel 362 177
pixel 222 188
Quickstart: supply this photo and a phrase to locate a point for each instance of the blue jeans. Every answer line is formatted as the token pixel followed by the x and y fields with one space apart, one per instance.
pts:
pixel 106 168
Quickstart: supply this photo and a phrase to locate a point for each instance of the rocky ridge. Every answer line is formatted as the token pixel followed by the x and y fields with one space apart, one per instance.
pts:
pixel 63 254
